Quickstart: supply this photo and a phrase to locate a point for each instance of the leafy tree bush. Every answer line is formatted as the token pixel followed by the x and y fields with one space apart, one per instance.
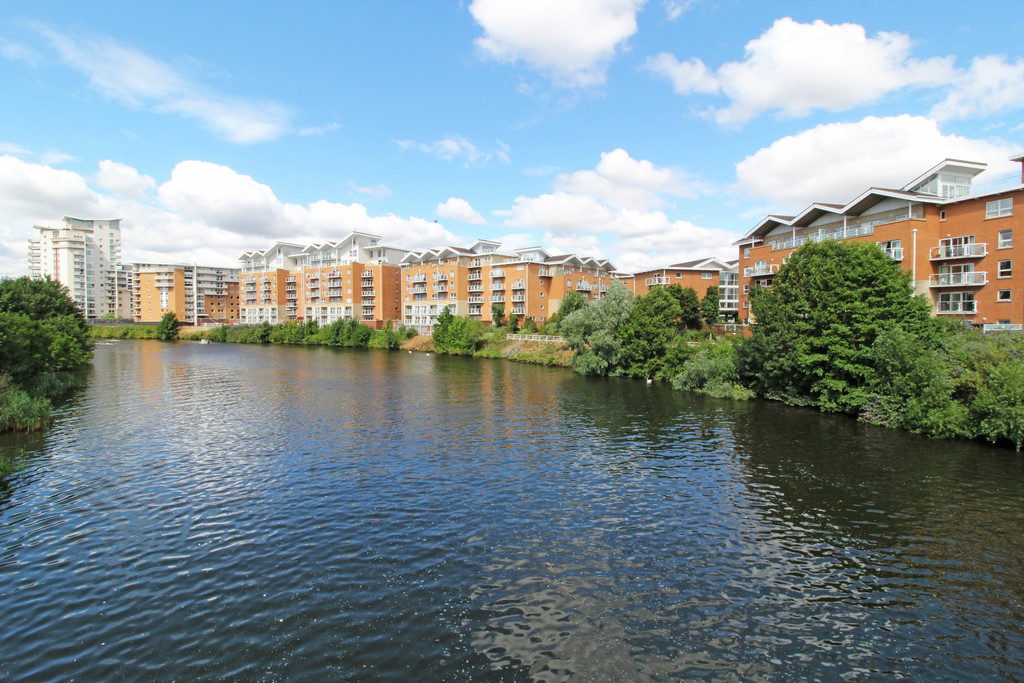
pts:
pixel 712 370
pixel 590 332
pixel 513 323
pixel 646 334
pixel 497 314
pixel 572 302
pixel 814 328
pixel 690 317
pixel 456 335
pixel 709 307
pixel 167 330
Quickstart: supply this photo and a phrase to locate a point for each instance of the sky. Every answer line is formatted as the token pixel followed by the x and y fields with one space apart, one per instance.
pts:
pixel 645 132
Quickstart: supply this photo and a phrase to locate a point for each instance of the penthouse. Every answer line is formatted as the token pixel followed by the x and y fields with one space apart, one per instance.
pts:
pixel 955 237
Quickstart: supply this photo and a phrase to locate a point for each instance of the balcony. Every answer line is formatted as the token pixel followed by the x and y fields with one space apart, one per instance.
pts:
pixel 497 286
pixel 477 275
pixel 971 279
pixel 837 233
pixel 956 307
pixel 584 286
pixel 441 287
pixel 476 288
pixel 544 272
pixel 419 277
pixel 949 251
pixel 367 273
pixel 474 310
pixel 475 299
pixel 497 272
pixel 440 276
pixel 518 297
pixel 757 271
pixel 657 280
pixel 498 298
pixel 418 289
pixel 519 284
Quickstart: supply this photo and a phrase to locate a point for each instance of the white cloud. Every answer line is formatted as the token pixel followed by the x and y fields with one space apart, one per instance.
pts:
pixel 127 74
pixel 457 147
pixel 569 41
pixel 675 8
pixel 371 191
pixel 319 131
pixel 795 68
pixel 835 162
pixel 18 52
pixel 621 181
pixel 123 180
pixel 460 210
pixel 991 85
pixel 609 210
pixel 205 213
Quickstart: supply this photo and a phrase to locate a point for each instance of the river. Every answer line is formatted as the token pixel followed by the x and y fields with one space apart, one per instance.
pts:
pixel 211 512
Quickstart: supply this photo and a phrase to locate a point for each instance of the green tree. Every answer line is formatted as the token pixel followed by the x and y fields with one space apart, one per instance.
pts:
pixel 814 328
pixel 513 323
pixel 572 302
pixel 646 334
pixel 689 307
pixel 709 309
pixel 167 329
pixel 590 331
pixel 497 314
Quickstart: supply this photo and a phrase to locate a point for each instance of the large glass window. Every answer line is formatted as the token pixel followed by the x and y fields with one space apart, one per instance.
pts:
pixel 999 208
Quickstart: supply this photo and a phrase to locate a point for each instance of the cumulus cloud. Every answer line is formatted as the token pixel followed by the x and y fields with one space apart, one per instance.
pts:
pixel 621 181
pixel 837 161
pixel 204 213
pixel 611 210
pixel 127 74
pixel 991 85
pixel 457 147
pixel 570 41
pixel 460 210
pixel 795 68
pixel 123 180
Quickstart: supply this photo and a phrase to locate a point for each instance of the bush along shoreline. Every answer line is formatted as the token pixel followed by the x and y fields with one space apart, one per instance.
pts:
pixel 839 330
pixel 45 349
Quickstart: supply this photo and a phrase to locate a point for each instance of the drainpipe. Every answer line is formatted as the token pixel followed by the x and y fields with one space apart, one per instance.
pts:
pixel 914 262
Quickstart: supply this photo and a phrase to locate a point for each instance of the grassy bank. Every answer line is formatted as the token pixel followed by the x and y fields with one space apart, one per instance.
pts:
pixel 555 354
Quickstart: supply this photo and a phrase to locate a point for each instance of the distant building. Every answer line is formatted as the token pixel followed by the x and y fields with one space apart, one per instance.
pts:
pixel 698 275
pixel 195 294
pixel 356 277
pixel 529 283
pixel 83 255
pixel 962 243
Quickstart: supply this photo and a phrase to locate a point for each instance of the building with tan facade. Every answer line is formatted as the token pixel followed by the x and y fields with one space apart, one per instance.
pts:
pixel 82 255
pixel 697 275
pixel 356 277
pixel 962 242
pixel 195 294
pixel 474 281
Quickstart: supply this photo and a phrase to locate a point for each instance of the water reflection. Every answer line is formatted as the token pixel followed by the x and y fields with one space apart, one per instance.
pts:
pixel 289 513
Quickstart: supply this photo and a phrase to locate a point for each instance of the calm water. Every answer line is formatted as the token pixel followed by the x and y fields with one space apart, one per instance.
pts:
pixel 209 512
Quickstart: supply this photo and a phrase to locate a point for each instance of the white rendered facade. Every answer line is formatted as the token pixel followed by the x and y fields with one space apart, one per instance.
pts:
pixel 83 255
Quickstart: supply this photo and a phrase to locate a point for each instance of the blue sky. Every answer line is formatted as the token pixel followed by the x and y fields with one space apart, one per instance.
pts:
pixel 643 132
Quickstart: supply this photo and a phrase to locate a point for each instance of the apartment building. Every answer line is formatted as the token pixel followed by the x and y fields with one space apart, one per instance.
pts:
pixel 83 255
pixel 195 294
pixel 529 282
pixel 698 275
pixel 962 242
pixel 356 277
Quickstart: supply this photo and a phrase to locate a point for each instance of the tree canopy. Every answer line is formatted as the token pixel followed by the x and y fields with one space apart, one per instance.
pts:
pixel 814 329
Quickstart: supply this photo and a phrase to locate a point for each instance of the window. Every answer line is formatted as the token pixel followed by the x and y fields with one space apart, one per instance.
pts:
pixel 705 276
pixel 942 215
pixel 746 252
pixel 746 288
pixel 1005 268
pixel 746 304
pixel 1005 239
pixel 999 208
pixel 1004 295
pixel 678 274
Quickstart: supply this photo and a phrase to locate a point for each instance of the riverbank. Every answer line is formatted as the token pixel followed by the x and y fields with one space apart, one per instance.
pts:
pixel 556 354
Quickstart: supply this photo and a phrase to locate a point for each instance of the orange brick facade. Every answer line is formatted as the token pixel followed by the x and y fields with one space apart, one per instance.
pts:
pixel 965 250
